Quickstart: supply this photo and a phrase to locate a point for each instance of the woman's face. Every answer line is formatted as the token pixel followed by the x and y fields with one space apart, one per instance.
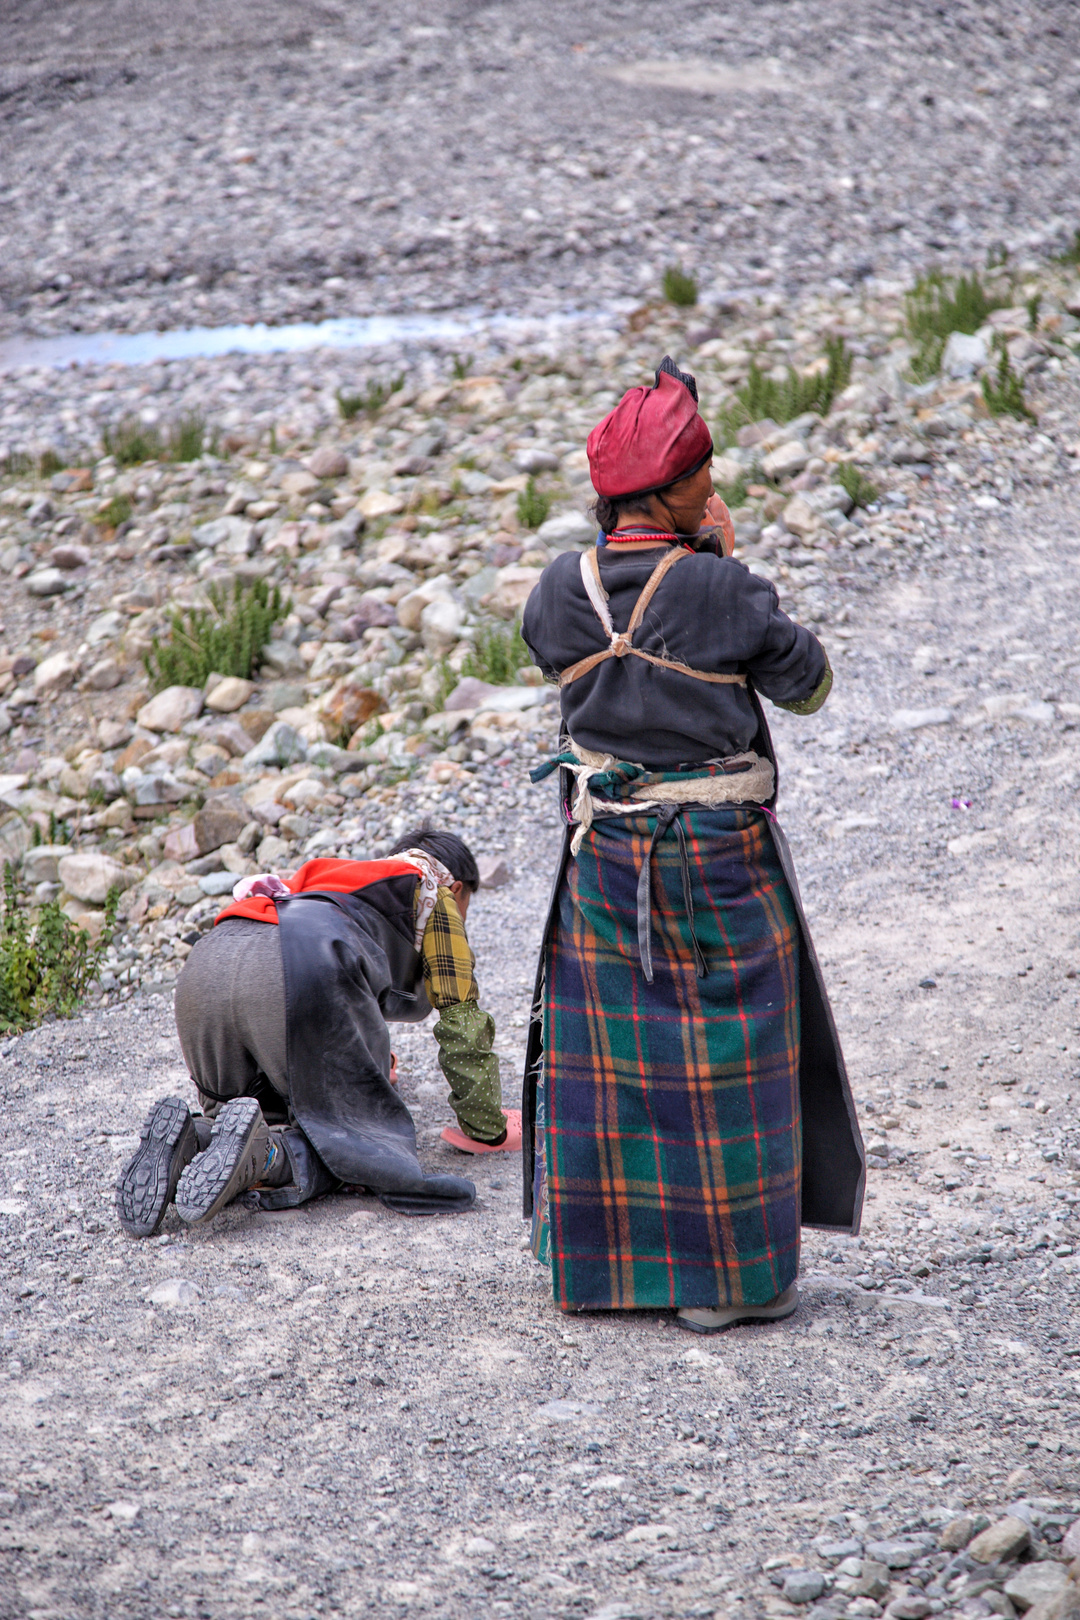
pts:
pixel 686 500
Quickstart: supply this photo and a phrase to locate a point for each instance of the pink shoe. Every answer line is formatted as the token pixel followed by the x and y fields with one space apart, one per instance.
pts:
pixel 466 1144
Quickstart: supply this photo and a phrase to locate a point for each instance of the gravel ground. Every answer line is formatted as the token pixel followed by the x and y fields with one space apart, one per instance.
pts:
pixel 276 1440
pixel 225 163
pixel 338 1410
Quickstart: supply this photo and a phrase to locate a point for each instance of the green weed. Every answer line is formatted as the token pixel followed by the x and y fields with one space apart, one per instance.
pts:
pixel 762 396
pixel 48 463
pixel 1033 305
pixel 935 307
pixel 863 490
pixel 497 655
pixel 532 506
pixel 460 367
pixel 679 288
pixel 733 495
pixel 47 968
pixel 1071 255
pixel 116 512
pixel 131 442
pixel 226 637
pixel 1004 392
pixel 370 399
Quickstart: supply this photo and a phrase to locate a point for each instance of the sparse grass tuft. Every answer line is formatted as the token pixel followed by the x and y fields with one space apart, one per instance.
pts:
pixel 1004 392
pixel 226 637
pixel 460 367
pixel 1071 255
pixel 679 288
pixel 47 968
pixel 863 490
pixel 497 655
pixel 936 307
pixel 532 506
pixel 733 495
pixel 763 396
pixel 48 463
pixel 1033 305
pixel 132 441
pixel 370 399
pixel 118 511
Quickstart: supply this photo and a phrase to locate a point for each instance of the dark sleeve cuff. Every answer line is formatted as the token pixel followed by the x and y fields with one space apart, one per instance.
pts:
pixel 816 700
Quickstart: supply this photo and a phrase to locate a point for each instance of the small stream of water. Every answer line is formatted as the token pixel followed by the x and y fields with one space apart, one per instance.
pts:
pixel 347 332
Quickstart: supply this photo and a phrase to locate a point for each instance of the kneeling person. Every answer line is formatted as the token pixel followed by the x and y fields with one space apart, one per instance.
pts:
pixel 282 1014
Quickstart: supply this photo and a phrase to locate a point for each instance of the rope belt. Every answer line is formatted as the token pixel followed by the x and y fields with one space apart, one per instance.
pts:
pixel 621 641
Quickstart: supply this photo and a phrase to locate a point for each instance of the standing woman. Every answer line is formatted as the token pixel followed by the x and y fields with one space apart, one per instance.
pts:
pixel 685 1093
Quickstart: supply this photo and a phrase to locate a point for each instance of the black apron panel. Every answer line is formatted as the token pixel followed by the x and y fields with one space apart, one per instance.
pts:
pixel 344 961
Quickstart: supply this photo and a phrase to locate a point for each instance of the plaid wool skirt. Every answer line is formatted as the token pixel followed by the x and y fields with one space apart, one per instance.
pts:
pixel 668 1142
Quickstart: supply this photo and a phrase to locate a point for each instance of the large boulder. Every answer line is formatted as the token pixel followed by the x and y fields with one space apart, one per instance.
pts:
pixel 90 876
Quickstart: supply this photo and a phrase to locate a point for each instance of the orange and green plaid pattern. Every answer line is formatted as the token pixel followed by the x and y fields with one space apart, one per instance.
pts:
pixel 669 1139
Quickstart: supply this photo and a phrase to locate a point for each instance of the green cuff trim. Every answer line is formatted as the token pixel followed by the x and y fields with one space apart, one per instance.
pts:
pixel 816 700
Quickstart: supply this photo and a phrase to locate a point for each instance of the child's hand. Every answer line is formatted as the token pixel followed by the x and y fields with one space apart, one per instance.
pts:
pixel 717 516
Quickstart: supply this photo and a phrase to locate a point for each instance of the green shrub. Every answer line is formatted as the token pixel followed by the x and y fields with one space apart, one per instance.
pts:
pixel 935 307
pixel 762 396
pixel 460 367
pixel 132 441
pixel 532 506
pixel 863 490
pixel 225 638
pixel 497 655
pixel 1033 305
pixel 48 463
pixel 1071 255
pixel 48 967
pixel 1004 392
pixel 679 288
pixel 733 495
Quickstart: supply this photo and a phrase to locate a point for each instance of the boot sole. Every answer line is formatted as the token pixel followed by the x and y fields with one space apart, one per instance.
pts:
pixel 147 1184
pixel 215 1177
pixel 746 1313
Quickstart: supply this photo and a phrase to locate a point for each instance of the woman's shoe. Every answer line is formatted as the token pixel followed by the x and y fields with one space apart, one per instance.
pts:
pixel 234 1161
pixel 511 1142
pixel 713 1319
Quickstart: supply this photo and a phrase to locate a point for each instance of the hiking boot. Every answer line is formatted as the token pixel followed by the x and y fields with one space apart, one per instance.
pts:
pixel 713 1319
pixel 169 1141
pixel 232 1163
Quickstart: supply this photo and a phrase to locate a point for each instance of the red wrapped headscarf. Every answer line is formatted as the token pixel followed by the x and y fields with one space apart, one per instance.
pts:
pixel 652 438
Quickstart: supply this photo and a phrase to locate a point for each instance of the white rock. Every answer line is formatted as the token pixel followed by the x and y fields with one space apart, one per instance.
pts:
pixel 535 459
pixel 175 1291
pixel 411 607
pixel 476 1546
pixel 441 623
pixel 494 872
pixel 57 673
pixel 282 744
pixel 829 498
pixel 230 694
pixel 514 699
pixel 916 719
pixel 41 865
pixel 379 503
pixel 123 1512
pixel 515 586
pixel 47 582
pixel 104 675
pixel 106 627
pixel 233 535
pixel 567 530
pixel 800 519
pixel 786 460
pixel 90 876
pixel 964 355
pixel 172 708
pixel 649 1532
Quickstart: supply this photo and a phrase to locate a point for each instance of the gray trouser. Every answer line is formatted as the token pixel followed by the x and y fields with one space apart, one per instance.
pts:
pixel 230 1016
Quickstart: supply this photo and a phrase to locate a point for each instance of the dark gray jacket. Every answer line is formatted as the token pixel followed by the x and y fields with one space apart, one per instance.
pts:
pixel 710 613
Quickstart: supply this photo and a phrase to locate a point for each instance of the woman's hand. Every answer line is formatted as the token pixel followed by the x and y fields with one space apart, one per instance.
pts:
pixel 717 516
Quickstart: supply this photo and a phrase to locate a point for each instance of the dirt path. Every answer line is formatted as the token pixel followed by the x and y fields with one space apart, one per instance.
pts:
pixel 347 1411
